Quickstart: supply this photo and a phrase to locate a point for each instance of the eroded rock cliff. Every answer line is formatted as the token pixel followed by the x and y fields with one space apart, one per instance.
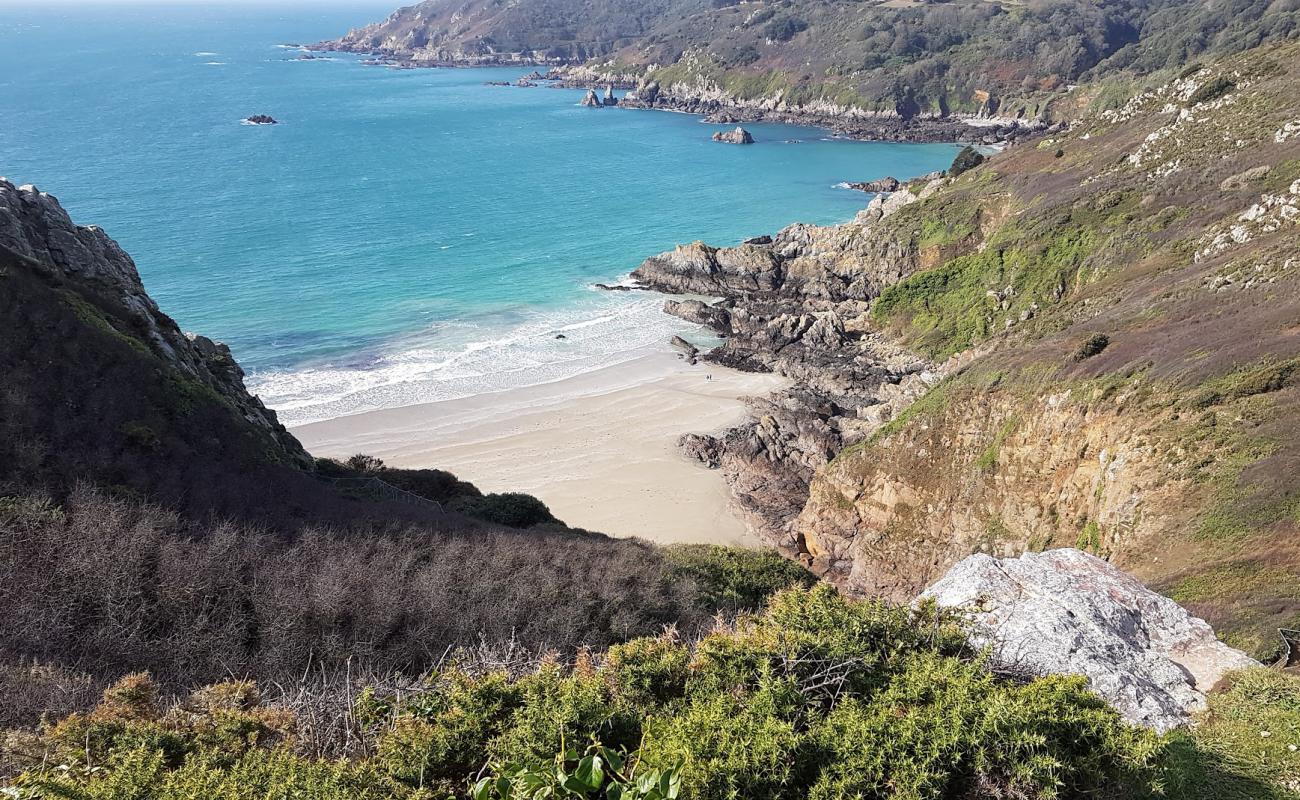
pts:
pixel 1098 330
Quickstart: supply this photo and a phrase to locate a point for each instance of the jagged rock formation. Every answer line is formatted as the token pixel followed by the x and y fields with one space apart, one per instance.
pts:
pixel 35 227
pixel 1168 451
pixel 102 387
pixel 737 136
pixel 1066 612
pixel 591 100
pixel 794 304
pixel 720 105
pixel 889 184
pixel 261 119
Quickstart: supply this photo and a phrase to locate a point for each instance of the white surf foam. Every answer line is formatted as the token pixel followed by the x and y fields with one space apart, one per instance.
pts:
pixel 462 359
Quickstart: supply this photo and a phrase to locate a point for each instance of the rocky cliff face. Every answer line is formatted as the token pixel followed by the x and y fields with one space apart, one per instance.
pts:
pixel 103 388
pixel 1089 340
pixel 708 98
pixel 1065 612
pixel 796 304
pixel 36 228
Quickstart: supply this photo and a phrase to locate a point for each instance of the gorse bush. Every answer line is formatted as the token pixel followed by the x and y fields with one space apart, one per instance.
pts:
pixel 511 509
pixel 735 578
pixel 969 158
pixel 817 697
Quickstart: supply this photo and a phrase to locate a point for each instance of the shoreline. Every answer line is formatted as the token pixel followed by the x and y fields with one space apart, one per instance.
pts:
pixel 857 127
pixel 600 448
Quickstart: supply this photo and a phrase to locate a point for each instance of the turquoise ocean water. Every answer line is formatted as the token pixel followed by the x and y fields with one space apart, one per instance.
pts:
pixel 404 235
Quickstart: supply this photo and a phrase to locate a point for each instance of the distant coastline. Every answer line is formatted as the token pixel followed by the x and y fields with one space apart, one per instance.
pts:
pixel 850 124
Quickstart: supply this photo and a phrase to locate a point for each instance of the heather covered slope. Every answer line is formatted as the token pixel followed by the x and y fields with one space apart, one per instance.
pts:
pixel 539 31
pixel 842 56
pixel 1131 294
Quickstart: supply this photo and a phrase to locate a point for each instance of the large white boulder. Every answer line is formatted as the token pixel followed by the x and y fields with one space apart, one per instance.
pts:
pixel 1066 612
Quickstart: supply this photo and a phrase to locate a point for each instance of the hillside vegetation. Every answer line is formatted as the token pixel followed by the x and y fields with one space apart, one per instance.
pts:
pixel 1124 301
pixel 907 58
pixel 818 697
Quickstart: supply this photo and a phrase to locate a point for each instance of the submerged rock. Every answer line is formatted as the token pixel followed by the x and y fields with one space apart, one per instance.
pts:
pixel 1066 612
pixel 737 136
pixel 261 119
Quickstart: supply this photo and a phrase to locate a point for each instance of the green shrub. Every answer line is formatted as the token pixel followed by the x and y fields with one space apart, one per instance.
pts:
pixel 558 708
pixel 431 484
pixel 648 671
pixel 969 158
pixel 946 728
pixel 365 464
pixel 784 29
pixel 735 578
pixel 1092 346
pixel 437 738
pixel 511 509
pixel 731 744
pixel 1212 89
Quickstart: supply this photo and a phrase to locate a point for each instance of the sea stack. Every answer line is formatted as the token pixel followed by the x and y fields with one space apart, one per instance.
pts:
pixel 610 99
pixel 592 100
pixel 738 136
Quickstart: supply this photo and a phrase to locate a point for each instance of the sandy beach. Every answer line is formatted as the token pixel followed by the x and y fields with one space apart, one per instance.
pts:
pixel 599 449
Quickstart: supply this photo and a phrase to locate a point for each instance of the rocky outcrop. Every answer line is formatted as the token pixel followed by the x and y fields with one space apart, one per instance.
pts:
pixel 717 104
pixel 591 100
pixel 35 227
pixel 261 119
pixel 876 186
pixel 684 348
pixel 1066 612
pixel 737 136
pixel 794 304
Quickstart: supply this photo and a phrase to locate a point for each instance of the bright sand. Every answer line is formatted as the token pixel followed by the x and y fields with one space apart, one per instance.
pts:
pixel 599 449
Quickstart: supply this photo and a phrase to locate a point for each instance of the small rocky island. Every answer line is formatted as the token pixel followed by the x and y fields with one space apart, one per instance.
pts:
pixel 737 136
pixel 261 119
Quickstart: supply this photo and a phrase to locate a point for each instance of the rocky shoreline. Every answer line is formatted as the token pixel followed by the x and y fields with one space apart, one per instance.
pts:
pixel 718 107
pixel 713 105
pixel 795 304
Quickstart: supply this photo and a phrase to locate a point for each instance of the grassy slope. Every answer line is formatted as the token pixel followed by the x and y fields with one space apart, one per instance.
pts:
pixel 1112 230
